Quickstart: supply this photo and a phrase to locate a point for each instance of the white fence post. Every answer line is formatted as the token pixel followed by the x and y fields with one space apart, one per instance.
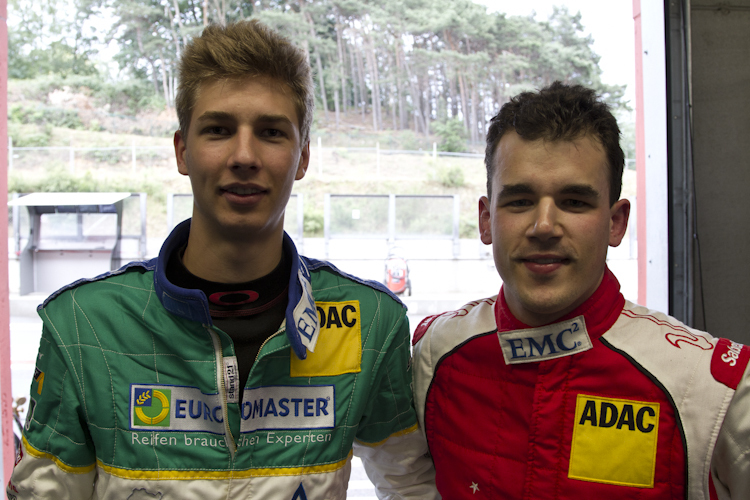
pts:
pixel 434 150
pixel 72 158
pixel 320 156
pixel 377 155
pixel 133 153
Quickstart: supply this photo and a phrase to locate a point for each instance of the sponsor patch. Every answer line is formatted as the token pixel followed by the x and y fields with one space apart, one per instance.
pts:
pixel 30 415
pixel 232 379
pixel 614 441
pixel 729 361
pixel 174 408
pixel 339 348
pixel 39 379
pixel 305 318
pixel 187 409
pixel 288 407
pixel 546 342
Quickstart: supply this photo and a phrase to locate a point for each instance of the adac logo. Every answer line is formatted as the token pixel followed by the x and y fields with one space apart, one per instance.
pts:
pixel 151 407
pixel 614 441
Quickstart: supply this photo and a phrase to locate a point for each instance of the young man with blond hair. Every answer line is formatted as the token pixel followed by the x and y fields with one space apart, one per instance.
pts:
pixel 559 388
pixel 229 366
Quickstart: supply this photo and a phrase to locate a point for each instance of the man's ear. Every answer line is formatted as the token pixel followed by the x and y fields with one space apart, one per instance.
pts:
pixel 618 222
pixel 304 162
pixel 179 152
pixel 485 221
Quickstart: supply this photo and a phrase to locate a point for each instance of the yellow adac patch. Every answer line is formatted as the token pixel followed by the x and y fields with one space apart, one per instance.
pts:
pixel 39 379
pixel 614 441
pixel 339 347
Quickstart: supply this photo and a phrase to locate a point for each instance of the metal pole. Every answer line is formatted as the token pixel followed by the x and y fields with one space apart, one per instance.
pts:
pixel 326 221
pixel 391 219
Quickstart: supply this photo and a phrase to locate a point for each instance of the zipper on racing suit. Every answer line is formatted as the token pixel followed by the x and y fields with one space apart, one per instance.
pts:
pixel 222 390
pixel 218 352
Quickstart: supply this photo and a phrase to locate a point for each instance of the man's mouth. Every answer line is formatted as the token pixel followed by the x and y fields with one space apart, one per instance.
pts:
pixel 243 191
pixel 546 260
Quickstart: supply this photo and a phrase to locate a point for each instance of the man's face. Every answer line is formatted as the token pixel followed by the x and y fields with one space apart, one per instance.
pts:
pixel 242 154
pixel 550 223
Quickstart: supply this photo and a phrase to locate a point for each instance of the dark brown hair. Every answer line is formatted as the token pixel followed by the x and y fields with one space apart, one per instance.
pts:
pixel 559 112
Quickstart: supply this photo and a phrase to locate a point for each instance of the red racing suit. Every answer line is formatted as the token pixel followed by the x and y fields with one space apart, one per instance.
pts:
pixel 614 401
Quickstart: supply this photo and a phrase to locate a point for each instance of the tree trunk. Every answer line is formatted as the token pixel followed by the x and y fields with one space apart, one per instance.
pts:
pixel 355 76
pixel 179 23
pixel 336 106
pixel 399 87
pixel 221 11
pixel 464 101
pixel 363 86
pixel 174 32
pixel 342 65
pixel 452 91
pixel 373 63
pixel 318 61
pixel 419 124
pixel 473 117
pixel 164 80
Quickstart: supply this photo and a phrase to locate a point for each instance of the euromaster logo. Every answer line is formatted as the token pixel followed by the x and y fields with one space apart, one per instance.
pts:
pixel 151 407
pixel 174 408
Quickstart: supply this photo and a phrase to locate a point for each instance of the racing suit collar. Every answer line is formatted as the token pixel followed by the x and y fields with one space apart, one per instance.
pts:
pixel 600 311
pixel 302 325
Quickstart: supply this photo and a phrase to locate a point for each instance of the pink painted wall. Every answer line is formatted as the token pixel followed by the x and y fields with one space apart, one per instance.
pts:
pixel 6 396
pixel 640 155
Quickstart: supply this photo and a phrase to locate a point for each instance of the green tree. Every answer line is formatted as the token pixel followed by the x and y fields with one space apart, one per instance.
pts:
pixel 48 37
pixel 452 135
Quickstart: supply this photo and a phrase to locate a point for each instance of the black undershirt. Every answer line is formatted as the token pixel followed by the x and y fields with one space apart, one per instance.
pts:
pixel 248 312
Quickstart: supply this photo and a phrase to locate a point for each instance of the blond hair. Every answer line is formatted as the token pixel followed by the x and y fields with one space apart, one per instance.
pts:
pixel 240 50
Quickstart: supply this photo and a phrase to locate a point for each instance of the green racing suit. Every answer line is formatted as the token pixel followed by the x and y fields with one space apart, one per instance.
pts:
pixel 135 393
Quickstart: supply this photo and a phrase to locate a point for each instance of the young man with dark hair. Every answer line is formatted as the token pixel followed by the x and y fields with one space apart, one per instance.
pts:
pixel 229 366
pixel 559 388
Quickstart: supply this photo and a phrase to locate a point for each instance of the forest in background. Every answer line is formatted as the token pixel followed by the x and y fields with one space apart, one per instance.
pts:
pixel 399 75
pixel 439 68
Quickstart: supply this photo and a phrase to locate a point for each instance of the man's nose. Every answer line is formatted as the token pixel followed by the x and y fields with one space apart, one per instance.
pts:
pixel 546 223
pixel 244 153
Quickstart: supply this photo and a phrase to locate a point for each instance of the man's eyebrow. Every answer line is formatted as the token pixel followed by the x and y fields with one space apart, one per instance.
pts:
pixel 215 115
pixel 580 190
pixel 223 115
pixel 584 190
pixel 273 118
pixel 514 190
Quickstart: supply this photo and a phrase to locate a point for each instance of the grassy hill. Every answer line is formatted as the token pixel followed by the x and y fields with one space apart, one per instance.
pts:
pixel 347 163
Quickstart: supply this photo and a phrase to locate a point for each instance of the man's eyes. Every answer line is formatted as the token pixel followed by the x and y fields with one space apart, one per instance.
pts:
pixel 572 203
pixel 221 130
pixel 273 132
pixel 519 203
pixel 215 130
pixel 567 203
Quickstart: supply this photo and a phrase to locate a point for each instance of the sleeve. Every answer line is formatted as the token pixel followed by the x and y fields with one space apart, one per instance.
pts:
pixel 56 458
pixel 398 465
pixel 730 464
